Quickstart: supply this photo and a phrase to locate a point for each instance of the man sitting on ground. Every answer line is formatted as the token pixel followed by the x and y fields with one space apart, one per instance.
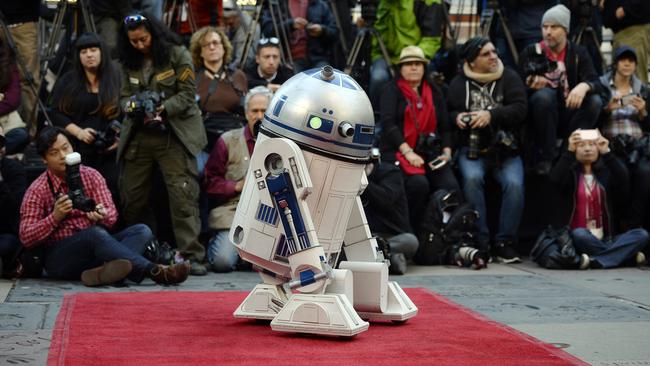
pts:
pixel 596 183
pixel 77 243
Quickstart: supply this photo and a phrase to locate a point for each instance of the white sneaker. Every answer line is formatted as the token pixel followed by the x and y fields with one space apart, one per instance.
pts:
pixel 584 261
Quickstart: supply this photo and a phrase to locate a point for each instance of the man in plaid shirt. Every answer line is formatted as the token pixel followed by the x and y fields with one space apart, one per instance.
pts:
pixel 77 243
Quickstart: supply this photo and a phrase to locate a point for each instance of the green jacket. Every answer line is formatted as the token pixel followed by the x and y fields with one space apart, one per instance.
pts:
pixel 404 23
pixel 176 81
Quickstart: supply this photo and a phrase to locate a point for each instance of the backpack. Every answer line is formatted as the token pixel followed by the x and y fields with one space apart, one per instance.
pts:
pixel 554 249
pixel 446 225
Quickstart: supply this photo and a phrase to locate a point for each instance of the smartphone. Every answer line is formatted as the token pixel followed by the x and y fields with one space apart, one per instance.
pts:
pixel 627 99
pixel 437 163
pixel 589 134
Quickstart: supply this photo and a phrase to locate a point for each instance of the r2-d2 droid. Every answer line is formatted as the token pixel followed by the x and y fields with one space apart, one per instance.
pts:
pixel 300 207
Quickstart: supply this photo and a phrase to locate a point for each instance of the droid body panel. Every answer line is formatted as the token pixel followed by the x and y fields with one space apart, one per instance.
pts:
pixel 300 204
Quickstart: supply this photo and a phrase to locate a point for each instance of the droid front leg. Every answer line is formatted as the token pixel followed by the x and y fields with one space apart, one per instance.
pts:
pixel 375 298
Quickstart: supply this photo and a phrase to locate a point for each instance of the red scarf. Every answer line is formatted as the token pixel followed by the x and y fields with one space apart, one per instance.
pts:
pixel 420 113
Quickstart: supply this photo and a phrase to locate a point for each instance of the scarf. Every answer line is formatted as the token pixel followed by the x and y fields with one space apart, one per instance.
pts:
pixel 419 114
pixel 483 78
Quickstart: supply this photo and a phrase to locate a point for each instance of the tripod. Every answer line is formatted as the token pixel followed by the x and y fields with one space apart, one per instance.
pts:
pixel 493 10
pixel 174 15
pixel 24 70
pixel 357 45
pixel 585 29
pixel 250 35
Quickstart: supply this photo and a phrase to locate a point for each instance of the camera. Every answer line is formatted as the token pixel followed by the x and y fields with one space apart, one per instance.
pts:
pixel 627 99
pixel 75 185
pixel 106 138
pixel 369 11
pixel 505 140
pixel 143 105
pixel 583 10
pixel 537 63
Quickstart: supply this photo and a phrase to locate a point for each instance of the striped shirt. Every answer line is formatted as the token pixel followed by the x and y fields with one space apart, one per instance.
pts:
pixel 37 224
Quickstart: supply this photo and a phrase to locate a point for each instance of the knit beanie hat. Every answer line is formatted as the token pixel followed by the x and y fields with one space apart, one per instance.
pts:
pixel 560 15
pixel 470 50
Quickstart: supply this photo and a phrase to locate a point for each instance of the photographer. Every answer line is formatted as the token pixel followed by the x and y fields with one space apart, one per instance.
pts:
pixel 488 104
pixel 224 178
pixel 86 102
pixel 595 183
pixel 311 29
pixel 630 22
pixel 563 86
pixel 625 124
pixel 13 183
pixel 416 132
pixel 170 136
pixel 67 211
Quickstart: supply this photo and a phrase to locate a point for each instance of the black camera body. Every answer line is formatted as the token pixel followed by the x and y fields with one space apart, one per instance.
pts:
pixel 143 105
pixel 106 138
pixel 429 147
pixel 583 10
pixel 537 63
pixel 369 11
pixel 75 185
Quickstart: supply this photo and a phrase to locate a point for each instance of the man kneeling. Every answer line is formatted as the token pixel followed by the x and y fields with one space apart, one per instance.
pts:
pixel 72 227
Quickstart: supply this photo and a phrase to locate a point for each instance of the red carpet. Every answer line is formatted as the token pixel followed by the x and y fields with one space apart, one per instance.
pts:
pixel 197 328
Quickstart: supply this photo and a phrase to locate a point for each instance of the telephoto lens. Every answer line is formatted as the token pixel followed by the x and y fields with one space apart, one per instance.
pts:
pixel 75 184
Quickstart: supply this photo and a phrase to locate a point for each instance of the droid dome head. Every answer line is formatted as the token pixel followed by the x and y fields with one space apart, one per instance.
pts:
pixel 323 110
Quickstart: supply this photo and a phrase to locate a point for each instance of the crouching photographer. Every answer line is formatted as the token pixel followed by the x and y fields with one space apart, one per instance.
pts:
pixel 488 104
pixel 85 103
pixel 165 132
pixel 67 212
pixel 625 124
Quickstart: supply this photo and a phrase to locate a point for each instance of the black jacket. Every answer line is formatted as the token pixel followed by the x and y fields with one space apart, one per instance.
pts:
pixel 636 12
pixel 385 201
pixel 509 115
pixel 254 79
pixel 580 67
pixel 318 12
pixel 391 119
pixel 12 189
pixel 611 175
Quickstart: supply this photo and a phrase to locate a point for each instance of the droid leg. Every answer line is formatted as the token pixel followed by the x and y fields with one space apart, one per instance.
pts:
pixel 265 301
pixel 375 297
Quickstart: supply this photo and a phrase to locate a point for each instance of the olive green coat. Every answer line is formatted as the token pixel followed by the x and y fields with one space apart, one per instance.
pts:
pixel 177 81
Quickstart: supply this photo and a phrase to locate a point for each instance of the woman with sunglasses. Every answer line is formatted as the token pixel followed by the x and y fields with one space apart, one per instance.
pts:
pixel 86 102
pixel 158 72
pixel 220 88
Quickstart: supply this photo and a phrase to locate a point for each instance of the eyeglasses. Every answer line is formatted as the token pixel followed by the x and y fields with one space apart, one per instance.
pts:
pixel 272 40
pixel 131 19
pixel 214 44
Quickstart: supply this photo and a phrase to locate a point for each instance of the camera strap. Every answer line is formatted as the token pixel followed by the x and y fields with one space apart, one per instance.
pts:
pixel 55 194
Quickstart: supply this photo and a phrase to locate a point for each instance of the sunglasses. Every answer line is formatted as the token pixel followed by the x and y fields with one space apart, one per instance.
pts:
pixel 134 19
pixel 272 40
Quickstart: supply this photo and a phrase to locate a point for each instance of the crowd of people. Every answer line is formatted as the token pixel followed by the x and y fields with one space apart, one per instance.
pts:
pixel 145 108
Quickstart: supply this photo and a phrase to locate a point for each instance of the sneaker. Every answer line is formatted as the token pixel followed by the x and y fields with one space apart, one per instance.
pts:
pixel 640 259
pixel 584 261
pixel 505 253
pixel 111 272
pixel 397 264
pixel 170 275
pixel 197 269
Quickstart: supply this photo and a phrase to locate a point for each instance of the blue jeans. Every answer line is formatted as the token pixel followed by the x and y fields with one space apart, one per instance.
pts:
pixel 510 176
pixel 222 254
pixel 552 120
pixel 94 246
pixel 16 140
pixel 613 252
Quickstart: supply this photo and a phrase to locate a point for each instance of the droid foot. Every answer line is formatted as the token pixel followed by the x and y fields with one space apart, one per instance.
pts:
pixel 264 302
pixel 399 306
pixel 328 314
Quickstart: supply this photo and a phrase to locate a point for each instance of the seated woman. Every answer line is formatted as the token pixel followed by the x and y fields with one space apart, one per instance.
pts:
pixel 415 125
pixel 14 128
pixel 86 104
pixel 220 88
pixel 625 123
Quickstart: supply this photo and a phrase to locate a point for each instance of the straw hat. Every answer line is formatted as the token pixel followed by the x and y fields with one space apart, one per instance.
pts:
pixel 412 53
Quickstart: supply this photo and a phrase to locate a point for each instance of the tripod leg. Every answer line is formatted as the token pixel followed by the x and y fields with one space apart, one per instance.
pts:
pixel 354 51
pixel 509 39
pixel 384 51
